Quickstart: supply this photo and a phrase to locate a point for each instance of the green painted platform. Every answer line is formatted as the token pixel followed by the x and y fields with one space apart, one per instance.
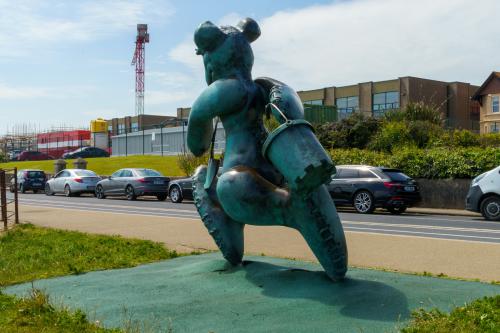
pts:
pixel 202 294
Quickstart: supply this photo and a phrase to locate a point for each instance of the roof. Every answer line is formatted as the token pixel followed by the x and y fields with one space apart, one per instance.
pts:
pixel 477 95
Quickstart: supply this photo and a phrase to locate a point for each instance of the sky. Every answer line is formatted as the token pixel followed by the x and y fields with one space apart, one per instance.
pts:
pixel 64 63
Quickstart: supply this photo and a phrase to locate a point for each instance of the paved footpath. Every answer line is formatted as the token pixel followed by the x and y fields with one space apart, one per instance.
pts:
pixel 454 258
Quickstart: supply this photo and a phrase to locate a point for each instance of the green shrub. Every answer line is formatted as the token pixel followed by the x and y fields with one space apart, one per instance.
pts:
pixel 391 134
pixel 416 112
pixel 188 162
pixel 355 131
pixel 439 163
pixel 423 133
pixel 490 140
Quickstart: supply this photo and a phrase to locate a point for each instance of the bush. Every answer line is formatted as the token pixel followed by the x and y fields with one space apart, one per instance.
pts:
pixel 188 162
pixel 355 131
pixel 490 140
pixel 391 134
pixel 416 112
pixel 3 158
pixel 439 163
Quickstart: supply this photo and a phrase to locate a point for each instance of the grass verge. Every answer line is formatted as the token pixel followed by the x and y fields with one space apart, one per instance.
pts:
pixel 480 316
pixel 105 166
pixel 30 252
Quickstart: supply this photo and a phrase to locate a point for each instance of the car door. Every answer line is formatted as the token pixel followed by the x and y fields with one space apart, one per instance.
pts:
pixel 111 186
pixel 125 179
pixel 348 184
pixel 59 181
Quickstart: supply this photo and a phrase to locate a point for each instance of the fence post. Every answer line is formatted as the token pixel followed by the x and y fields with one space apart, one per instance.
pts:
pixel 126 144
pixel 16 201
pixel 3 199
pixel 142 140
pixel 161 138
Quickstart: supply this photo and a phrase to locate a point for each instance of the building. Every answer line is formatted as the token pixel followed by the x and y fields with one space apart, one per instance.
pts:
pixel 59 142
pixel 374 98
pixel 130 124
pixel 488 96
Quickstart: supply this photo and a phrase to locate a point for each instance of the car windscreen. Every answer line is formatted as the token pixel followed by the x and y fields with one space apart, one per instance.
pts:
pixel 36 174
pixel 148 173
pixel 85 173
pixel 396 175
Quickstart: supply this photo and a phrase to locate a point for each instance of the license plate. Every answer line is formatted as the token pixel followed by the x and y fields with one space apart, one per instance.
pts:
pixel 409 188
pixel 37 184
pixel 158 182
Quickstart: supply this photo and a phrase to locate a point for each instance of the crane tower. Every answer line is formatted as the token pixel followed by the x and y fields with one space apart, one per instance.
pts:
pixel 138 60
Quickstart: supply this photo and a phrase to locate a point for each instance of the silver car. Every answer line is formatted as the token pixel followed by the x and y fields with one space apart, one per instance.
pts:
pixel 133 183
pixel 72 182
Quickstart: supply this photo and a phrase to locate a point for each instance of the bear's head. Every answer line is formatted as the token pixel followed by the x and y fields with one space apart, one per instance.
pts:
pixel 226 50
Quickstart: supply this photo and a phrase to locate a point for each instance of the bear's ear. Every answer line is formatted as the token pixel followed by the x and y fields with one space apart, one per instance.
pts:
pixel 208 37
pixel 249 28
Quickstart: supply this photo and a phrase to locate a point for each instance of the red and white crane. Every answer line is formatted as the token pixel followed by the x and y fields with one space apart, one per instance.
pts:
pixel 138 60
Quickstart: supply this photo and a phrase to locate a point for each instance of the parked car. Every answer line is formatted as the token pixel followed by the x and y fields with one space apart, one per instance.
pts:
pixel 86 152
pixel 133 183
pixel 484 195
pixel 29 180
pixel 33 156
pixel 366 188
pixel 180 189
pixel 72 182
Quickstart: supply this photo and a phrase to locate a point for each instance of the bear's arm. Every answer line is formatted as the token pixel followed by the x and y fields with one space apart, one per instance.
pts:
pixel 220 98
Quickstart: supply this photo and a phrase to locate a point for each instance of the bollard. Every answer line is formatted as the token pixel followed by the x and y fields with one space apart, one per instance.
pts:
pixel 59 165
pixel 80 163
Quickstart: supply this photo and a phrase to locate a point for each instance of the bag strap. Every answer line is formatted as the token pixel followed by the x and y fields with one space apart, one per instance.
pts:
pixel 212 144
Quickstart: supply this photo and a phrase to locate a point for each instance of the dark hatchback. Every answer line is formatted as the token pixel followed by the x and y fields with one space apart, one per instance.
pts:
pixel 366 188
pixel 29 180
pixel 180 189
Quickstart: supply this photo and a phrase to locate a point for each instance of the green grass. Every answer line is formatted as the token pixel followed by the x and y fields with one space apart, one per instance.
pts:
pixel 29 252
pixel 480 316
pixel 105 166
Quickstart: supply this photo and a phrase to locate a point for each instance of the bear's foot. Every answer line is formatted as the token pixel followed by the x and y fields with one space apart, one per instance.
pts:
pixel 227 234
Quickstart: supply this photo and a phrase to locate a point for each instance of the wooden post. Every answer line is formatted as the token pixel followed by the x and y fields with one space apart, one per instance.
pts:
pixel 3 199
pixel 16 200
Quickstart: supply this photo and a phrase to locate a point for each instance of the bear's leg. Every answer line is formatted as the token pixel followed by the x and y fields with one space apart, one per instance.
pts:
pixel 227 234
pixel 318 222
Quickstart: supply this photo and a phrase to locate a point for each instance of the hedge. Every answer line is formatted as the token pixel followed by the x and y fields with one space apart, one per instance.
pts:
pixel 436 163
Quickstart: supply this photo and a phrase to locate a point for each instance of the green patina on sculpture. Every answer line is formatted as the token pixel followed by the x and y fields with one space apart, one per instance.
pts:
pixel 267 178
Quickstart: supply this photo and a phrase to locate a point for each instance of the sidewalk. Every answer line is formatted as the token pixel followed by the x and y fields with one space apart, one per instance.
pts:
pixel 460 259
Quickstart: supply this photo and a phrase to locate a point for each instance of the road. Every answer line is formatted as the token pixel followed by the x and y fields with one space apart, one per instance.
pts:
pixel 417 225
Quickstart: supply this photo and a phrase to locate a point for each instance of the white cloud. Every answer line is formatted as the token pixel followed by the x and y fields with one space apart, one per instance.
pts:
pixel 9 92
pixel 355 41
pixel 26 25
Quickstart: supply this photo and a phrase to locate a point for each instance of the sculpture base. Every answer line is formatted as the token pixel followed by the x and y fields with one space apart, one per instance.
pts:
pixel 203 294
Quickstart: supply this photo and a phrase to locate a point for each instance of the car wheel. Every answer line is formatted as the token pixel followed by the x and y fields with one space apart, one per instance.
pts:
pixel 490 208
pixel 162 197
pixel 363 202
pixel 397 210
pixel 22 189
pixel 99 192
pixel 175 194
pixel 11 189
pixel 67 191
pixel 48 191
pixel 130 193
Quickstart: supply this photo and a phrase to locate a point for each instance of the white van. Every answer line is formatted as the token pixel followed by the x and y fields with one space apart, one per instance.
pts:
pixel 484 195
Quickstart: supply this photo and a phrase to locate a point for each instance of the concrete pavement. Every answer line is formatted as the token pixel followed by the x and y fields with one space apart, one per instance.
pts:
pixel 454 258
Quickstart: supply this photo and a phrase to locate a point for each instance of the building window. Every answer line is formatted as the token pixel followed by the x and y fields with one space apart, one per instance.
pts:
pixel 388 100
pixel 134 127
pixel 346 106
pixel 110 128
pixel 121 128
pixel 494 104
pixel 314 102
pixel 495 127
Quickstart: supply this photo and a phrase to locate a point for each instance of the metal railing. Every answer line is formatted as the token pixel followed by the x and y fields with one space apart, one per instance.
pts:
pixel 6 176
